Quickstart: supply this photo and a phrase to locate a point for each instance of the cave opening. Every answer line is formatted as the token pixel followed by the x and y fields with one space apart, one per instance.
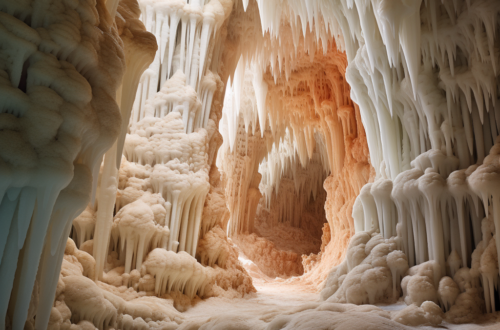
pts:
pixel 285 219
pixel 274 167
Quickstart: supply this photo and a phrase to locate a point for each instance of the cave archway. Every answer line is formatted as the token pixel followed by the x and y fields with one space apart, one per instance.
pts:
pixel 294 155
pixel 284 220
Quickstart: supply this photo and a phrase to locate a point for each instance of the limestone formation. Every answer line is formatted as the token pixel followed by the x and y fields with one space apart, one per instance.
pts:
pixel 249 164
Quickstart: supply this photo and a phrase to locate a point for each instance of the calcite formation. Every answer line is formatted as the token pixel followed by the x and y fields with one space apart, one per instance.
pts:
pixel 159 193
pixel 300 103
pixel 62 65
pixel 153 151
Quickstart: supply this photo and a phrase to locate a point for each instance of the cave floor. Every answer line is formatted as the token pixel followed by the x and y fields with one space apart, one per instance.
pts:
pixel 287 296
pixel 273 297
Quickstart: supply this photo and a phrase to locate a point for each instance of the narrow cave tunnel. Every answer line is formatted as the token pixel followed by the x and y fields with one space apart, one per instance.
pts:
pixel 287 223
pixel 249 164
pixel 300 166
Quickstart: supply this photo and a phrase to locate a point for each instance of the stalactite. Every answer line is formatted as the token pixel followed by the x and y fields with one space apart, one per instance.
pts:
pixel 421 76
pixel 156 199
pixel 429 138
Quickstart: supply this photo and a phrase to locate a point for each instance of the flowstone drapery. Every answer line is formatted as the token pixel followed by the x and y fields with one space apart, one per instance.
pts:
pixel 61 68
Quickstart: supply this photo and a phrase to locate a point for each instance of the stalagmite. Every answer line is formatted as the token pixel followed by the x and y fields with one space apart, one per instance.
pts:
pixel 168 269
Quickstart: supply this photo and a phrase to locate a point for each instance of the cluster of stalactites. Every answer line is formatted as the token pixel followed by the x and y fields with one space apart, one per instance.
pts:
pixel 294 109
pixel 284 161
pixel 278 35
pixel 189 45
pixel 244 100
pixel 441 213
pixel 289 89
pixel 178 171
pixel 288 186
pixel 423 75
pixel 303 17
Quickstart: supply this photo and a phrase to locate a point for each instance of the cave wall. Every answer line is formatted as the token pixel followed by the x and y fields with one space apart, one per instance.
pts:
pixel 65 67
pixel 164 217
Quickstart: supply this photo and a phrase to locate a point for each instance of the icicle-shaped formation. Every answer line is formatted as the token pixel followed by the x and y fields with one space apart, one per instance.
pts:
pixel 297 84
pixel 423 73
pixel 140 47
pixel 177 272
pixel 178 171
pixel 58 113
pixel 286 186
pixel 138 229
pixel 189 43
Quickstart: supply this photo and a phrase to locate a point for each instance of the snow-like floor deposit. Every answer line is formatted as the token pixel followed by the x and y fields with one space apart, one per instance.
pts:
pixel 280 300
pixel 273 297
